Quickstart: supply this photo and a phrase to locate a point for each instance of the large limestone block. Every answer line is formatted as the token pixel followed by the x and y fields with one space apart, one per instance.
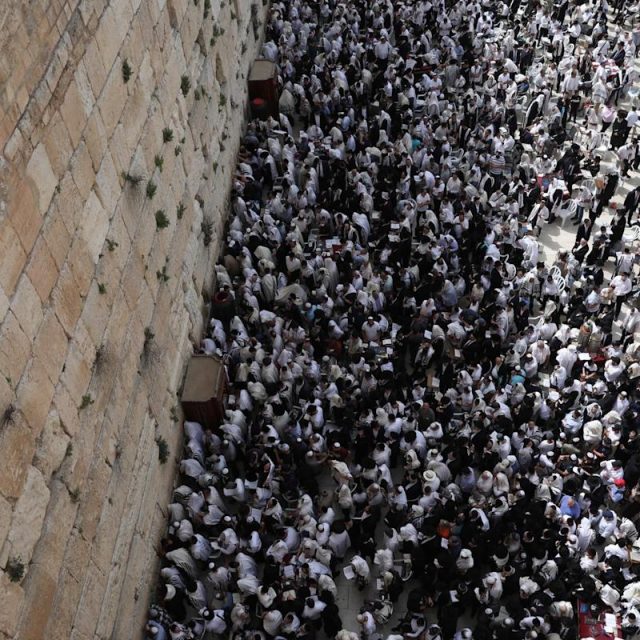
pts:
pixel 93 228
pixel 74 111
pixel 94 65
pixel 28 518
pixel 82 171
pixel 5 519
pixel 12 257
pixel 42 270
pixel 34 395
pixel 96 312
pixel 17 444
pixel 95 138
pixel 52 447
pixel 82 262
pixel 108 185
pixel 58 145
pixel 40 172
pixel 41 593
pixel 27 307
pixel 109 37
pixel 66 604
pixel 15 349
pixel 113 98
pixel 67 409
pixel 51 345
pixel 77 374
pixel 94 492
pixel 68 203
pixel 93 590
pixel 12 599
pixel 24 210
pixel 67 301
pixel 4 304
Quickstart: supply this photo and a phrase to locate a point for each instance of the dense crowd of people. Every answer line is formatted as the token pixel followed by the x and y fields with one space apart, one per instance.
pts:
pixel 418 401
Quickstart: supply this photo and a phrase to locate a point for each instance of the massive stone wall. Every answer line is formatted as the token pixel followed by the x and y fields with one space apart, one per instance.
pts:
pixel 100 302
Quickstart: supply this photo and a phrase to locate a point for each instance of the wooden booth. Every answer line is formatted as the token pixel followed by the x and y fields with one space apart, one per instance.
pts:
pixel 263 89
pixel 203 391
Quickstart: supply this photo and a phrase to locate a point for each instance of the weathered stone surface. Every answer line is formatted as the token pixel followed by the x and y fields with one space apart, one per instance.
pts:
pixel 51 345
pixel 67 300
pixel 70 126
pixel 58 145
pixel 27 307
pixel 93 230
pixel 28 517
pixel 73 113
pixel 108 185
pixel 57 237
pixel 12 257
pixel 5 519
pixel 4 305
pixel 41 592
pixel 34 395
pixel 42 270
pixel 12 599
pixel 40 172
pixel 82 170
pixel 52 447
pixel 15 349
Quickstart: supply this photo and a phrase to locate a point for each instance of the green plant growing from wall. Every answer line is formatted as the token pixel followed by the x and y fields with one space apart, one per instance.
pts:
pixel 127 71
pixel 162 274
pixel 8 415
pixel 162 222
pixel 131 179
pixel 207 8
pixel 87 400
pixel 111 244
pixel 177 150
pixel 148 337
pixel 174 414
pixel 100 358
pixel 102 288
pixel 167 134
pixel 185 85
pixel 207 232
pixel 163 449
pixel 222 100
pixel 151 189
pixel 158 161
pixel 15 569
pixel 180 211
pixel 149 351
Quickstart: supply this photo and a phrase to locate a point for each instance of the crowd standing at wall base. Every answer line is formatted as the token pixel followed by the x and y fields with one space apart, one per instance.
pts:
pixel 391 331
